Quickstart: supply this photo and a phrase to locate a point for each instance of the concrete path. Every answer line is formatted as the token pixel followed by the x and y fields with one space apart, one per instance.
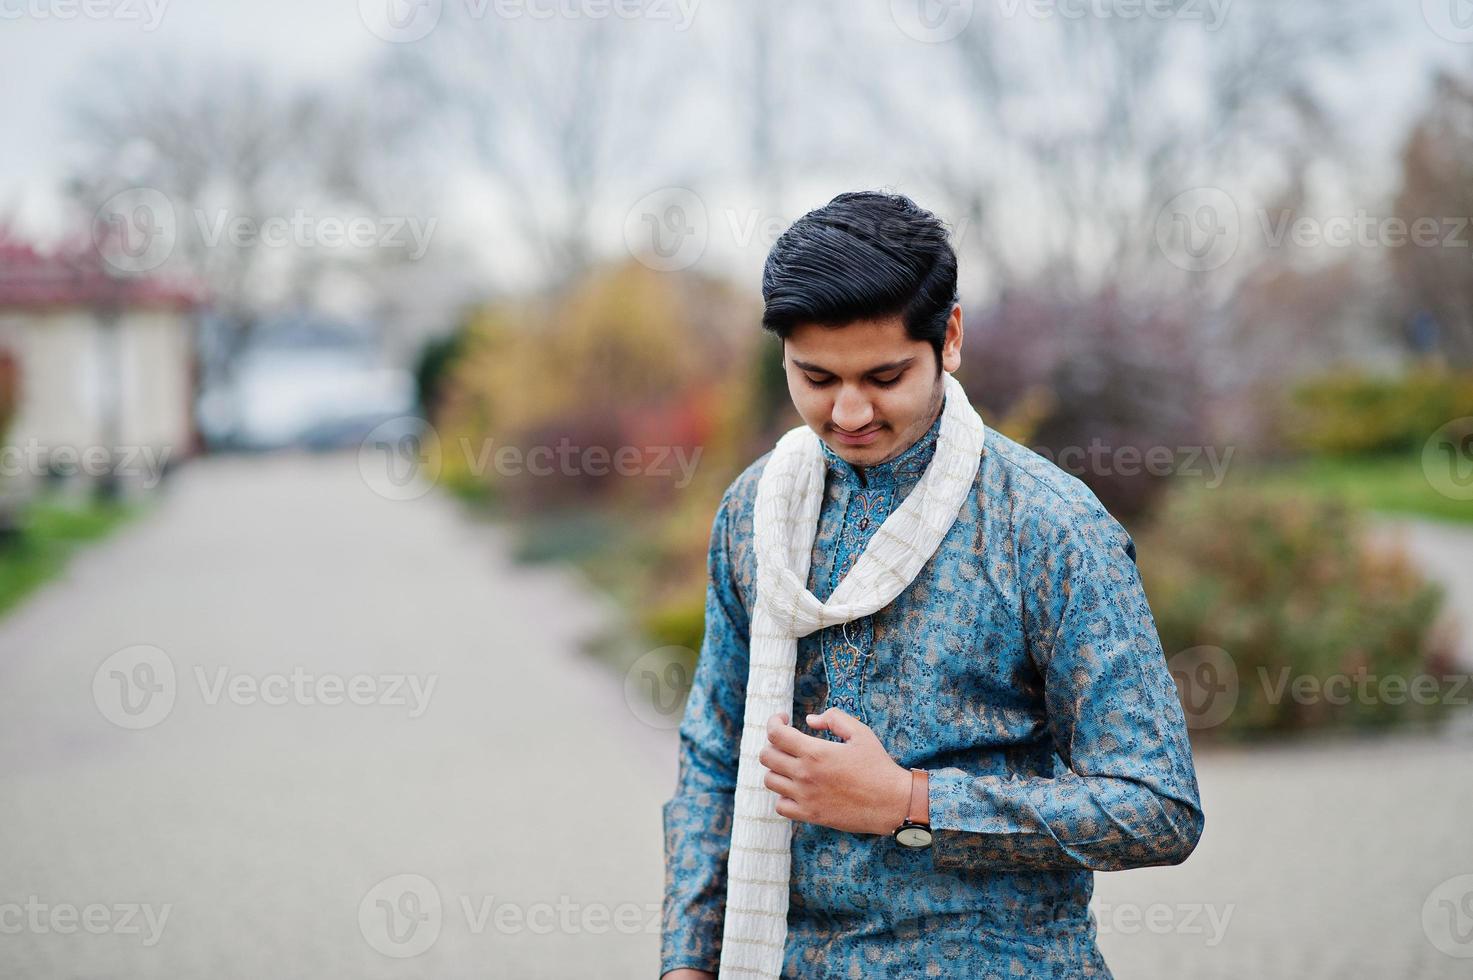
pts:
pixel 1338 861
pixel 502 823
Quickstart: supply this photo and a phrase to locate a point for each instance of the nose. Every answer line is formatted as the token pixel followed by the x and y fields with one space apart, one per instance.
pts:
pixel 852 411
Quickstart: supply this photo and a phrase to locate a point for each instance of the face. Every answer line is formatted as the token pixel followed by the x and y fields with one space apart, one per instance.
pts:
pixel 866 388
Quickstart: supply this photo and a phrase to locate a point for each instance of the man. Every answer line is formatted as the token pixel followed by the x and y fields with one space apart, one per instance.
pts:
pixel 959 761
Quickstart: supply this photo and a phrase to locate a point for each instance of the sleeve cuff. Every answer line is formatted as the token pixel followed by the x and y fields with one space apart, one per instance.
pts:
pixel 957 806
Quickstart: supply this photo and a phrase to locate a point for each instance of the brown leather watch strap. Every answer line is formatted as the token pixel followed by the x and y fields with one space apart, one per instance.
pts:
pixel 920 797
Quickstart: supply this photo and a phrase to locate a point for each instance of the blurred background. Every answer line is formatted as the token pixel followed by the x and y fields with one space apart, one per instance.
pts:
pixel 370 373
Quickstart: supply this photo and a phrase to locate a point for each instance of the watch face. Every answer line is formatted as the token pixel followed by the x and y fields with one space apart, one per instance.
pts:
pixel 913 837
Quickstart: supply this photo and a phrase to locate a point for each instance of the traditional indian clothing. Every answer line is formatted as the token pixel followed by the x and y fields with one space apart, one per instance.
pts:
pixel 1021 667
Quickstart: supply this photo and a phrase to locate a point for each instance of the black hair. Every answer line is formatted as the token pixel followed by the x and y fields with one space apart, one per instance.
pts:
pixel 865 255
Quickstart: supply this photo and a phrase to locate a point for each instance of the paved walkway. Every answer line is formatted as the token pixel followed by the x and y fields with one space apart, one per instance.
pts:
pixel 1317 863
pixel 524 796
pixel 504 822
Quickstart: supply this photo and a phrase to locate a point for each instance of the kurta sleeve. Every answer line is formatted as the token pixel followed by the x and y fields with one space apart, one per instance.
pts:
pixel 1129 796
pixel 698 818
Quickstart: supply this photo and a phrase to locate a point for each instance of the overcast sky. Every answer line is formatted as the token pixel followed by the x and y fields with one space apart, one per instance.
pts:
pixel 45 45
pixel 42 53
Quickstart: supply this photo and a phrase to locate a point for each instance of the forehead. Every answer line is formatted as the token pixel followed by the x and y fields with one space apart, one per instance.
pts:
pixel 856 346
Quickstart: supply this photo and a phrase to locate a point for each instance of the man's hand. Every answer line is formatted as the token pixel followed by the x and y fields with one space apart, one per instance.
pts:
pixel 686 973
pixel 853 786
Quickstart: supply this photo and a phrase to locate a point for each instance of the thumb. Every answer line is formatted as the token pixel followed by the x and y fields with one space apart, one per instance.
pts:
pixel 835 720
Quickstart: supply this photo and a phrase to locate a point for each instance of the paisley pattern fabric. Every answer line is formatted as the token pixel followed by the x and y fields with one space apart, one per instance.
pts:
pixel 1021 668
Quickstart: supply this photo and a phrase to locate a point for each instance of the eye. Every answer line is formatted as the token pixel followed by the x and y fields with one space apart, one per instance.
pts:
pixel 818 383
pixel 889 382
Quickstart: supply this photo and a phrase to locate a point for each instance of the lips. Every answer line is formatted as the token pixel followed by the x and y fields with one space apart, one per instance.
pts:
pixel 860 438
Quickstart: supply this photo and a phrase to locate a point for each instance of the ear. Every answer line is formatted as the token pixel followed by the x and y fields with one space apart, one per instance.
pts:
pixel 951 347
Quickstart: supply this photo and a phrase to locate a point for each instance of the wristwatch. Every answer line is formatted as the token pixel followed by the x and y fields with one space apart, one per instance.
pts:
pixel 915 832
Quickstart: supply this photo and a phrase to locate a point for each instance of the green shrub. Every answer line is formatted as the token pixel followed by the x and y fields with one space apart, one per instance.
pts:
pixel 677 623
pixel 49 534
pixel 1290 589
pixel 1353 413
pixel 9 390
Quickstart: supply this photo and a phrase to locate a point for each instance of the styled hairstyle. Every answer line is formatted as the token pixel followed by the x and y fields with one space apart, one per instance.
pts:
pixel 865 255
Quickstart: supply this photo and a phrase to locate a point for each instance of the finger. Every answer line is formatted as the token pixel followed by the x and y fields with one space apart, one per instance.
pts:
pixel 791 741
pixel 781 785
pixel 778 761
pixel 789 808
pixel 837 721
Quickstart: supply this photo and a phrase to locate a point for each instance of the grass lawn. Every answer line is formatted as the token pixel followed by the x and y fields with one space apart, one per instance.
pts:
pixel 51 531
pixel 1390 484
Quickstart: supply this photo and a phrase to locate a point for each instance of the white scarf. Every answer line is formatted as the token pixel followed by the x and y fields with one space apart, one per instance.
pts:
pixel 784 523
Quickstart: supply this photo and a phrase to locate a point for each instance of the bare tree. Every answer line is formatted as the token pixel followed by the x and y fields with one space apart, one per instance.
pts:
pixel 757 84
pixel 1437 186
pixel 224 145
pixel 551 112
pixel 1100 122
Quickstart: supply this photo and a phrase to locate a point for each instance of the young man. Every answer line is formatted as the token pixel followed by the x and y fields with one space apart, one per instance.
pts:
pixel 981 713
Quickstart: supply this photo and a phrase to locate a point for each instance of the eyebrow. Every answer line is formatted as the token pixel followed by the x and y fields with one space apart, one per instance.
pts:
pixel 877 369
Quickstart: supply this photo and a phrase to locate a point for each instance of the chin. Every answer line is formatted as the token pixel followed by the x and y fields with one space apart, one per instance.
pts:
pixel 861 455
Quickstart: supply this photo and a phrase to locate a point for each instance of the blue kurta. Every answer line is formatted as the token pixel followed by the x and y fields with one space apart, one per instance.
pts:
pixel 1021 668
